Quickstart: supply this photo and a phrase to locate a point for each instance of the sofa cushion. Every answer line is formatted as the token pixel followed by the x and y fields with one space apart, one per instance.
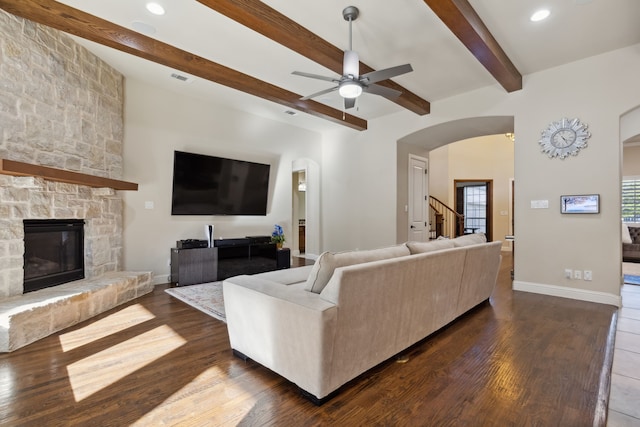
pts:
pixel 626 237
pixel 433 245
pixel 287 276
pixel 327 262
pixel 634 233
pixel 469 239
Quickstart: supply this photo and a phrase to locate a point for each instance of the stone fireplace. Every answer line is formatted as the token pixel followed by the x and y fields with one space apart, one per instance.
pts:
pixel 31 198
pixel 60 107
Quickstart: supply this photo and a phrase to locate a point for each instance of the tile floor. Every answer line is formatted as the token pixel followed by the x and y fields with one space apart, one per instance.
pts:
pixel 624 399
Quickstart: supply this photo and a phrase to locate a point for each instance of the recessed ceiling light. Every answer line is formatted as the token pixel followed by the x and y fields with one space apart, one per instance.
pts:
pixel 155 8
pixel 540 15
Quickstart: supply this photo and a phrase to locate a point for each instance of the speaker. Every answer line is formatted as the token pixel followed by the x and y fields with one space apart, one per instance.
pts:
pixel 208 231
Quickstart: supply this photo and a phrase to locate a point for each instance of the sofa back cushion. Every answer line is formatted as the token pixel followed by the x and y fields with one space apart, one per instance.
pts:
pixel 626 237
pixel 634 234
pixel 469 239
pixel 433 245
pixel 327 262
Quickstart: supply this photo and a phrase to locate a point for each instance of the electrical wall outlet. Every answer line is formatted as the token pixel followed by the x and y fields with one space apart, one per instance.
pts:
pixel 577 274
pixel 588 275
pixel 568 274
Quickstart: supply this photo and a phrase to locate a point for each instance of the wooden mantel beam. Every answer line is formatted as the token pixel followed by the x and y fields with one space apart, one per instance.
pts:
pixel 15 168
pixel 464 22
pixel 270 23
pixel 73 21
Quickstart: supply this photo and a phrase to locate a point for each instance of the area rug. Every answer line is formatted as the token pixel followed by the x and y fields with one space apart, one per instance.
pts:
pixel 631 280
pixel 206 297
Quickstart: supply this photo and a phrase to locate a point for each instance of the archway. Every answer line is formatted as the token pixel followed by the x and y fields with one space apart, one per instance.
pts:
pixel 432 137
pixel 629 181
pixel 311 172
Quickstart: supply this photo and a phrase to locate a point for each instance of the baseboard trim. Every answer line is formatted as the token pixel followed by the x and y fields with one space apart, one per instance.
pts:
pixel 160 279
pixel 240 355
pixel 572 293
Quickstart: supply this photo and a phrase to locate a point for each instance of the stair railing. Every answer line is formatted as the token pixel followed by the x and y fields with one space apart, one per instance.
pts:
pixel 444 220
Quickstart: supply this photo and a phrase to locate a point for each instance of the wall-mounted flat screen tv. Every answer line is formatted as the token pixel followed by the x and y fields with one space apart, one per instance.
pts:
pixel 208 185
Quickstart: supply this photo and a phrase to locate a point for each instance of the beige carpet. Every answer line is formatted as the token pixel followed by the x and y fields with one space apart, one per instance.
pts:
pixel 206 297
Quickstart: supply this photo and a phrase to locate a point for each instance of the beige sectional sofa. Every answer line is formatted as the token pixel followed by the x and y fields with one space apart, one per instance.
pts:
pixel 321 326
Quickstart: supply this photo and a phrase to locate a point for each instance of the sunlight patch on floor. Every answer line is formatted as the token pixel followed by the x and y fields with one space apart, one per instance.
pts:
pixel 212 396
pixel 109 325
pixel 102 369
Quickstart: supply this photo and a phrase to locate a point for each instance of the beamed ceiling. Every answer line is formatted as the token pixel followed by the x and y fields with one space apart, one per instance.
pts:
pixel 242 52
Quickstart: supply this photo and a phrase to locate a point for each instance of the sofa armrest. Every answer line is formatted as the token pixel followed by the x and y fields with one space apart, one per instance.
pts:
pixel 283 327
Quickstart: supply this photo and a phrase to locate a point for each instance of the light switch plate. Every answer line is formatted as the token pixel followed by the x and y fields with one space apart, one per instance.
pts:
pixel 539 204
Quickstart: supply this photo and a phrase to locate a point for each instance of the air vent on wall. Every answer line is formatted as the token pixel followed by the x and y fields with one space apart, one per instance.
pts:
pixel 182 78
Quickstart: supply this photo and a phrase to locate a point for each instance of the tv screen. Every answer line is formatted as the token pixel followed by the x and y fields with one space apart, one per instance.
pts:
pixel 208 185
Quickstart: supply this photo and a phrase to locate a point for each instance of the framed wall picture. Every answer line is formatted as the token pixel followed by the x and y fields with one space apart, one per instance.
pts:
pixel 580 204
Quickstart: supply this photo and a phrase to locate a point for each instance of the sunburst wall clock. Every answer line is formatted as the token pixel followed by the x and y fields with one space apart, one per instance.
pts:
pixel 564 137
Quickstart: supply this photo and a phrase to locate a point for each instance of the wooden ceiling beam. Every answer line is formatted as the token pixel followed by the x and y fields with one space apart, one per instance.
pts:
pixel 73 21
pixel 267 21
pixel 464 22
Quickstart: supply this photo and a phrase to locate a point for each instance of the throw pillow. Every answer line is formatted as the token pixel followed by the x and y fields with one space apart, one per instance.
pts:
pixel 626 237
pixel 434 245
pixel 327 262
pixel 470 239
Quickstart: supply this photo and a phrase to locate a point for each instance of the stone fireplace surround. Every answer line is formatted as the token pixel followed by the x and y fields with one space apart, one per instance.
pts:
pixel 60 107
pixel 25 318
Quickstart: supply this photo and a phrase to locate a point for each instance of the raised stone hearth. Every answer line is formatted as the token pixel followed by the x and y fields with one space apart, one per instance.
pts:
pixel 35 315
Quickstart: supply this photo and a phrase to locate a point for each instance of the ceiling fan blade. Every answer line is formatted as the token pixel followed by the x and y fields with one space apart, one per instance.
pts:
pixel 387 73
pixel 349 103
pixel 382 91
pixel 322 92
pixel 316 76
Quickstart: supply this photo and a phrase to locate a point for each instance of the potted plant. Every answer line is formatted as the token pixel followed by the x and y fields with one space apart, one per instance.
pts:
pixel 277 236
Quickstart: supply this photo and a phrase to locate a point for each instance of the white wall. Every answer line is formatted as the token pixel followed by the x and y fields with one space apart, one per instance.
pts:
pixel 359 186
pixel 597 90
pixel 631 162
pixel 157 122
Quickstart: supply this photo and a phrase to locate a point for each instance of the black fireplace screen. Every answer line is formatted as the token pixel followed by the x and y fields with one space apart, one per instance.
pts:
pixel 53 252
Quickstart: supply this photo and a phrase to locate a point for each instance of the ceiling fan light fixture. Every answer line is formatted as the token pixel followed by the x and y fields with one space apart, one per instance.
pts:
pixel 350 90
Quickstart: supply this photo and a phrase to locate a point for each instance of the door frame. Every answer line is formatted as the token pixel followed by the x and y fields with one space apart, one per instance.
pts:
pixel 425 202
pixel 489 184
pixel 312 206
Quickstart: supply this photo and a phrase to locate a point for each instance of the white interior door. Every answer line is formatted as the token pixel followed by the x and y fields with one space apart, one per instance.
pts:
pixel 418 199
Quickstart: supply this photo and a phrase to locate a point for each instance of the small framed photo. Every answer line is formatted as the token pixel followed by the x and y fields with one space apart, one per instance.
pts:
pixel 580 204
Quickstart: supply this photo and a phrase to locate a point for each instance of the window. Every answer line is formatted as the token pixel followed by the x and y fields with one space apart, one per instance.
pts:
pixel 473 201
pixel 475 208
pixel 631 200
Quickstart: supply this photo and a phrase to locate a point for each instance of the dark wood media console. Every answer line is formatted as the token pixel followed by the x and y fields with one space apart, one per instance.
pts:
pixel 228 258
pixel 249 255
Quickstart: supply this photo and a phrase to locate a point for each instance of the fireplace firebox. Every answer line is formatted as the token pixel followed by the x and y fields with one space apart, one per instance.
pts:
pixel 53 252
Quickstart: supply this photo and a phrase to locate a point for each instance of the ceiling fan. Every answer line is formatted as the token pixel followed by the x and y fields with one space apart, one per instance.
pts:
pixel 351 84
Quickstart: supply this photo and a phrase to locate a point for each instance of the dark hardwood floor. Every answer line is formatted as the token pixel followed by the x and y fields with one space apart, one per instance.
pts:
pixel 521 360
